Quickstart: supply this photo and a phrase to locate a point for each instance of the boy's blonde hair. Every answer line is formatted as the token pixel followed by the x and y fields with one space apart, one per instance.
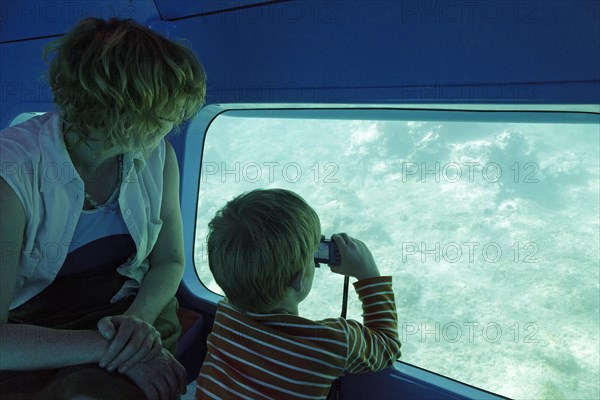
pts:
pixel 257 244
pixel 122 78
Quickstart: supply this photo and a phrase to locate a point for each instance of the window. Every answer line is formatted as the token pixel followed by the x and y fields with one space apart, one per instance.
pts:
pixel 488 222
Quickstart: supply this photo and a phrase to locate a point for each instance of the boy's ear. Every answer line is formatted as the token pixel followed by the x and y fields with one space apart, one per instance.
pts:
pixel 297 282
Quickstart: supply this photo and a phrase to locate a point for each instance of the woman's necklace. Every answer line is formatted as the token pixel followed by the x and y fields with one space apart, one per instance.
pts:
pixel 106 207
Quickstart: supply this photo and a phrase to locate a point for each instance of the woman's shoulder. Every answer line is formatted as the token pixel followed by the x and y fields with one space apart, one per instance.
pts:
pixel 22 140
pixel 30 122
pixel 23 152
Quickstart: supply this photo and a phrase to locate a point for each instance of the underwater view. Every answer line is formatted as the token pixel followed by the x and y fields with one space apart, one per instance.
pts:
pixel 490 230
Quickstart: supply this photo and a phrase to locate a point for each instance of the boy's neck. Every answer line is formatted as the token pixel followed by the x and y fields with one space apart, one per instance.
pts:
pixel 287 305
pixel 283 311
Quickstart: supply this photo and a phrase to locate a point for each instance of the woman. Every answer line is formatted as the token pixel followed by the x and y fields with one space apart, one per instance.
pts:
pixel 91 231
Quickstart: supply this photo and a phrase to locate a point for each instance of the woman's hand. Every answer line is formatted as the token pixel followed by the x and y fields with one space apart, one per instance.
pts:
pixel 133 341
pixel 161 378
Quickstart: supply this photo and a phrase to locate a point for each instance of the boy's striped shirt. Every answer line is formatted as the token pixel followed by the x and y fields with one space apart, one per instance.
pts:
pixel 281 356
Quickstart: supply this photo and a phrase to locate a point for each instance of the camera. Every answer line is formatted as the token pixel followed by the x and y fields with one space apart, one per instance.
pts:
pixel 327 253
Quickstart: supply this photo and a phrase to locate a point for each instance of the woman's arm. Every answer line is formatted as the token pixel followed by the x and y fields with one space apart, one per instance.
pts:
pixel 158 287
pixel 12 228
pixel 166 259
pixel 29 347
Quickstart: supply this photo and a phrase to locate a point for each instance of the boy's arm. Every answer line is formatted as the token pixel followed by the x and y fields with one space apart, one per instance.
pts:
pixel 375 345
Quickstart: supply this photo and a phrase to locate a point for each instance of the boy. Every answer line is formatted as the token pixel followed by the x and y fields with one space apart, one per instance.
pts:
pixel 260 250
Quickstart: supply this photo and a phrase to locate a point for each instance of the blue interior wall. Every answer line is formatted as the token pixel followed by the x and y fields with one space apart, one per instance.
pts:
pixel 342 51
pixel 402 51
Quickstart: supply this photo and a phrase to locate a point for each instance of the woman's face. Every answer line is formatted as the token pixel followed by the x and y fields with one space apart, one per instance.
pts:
pixel 161 131
pixel 156 135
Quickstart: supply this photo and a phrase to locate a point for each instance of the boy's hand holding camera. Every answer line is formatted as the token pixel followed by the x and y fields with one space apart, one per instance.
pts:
pixel 356 258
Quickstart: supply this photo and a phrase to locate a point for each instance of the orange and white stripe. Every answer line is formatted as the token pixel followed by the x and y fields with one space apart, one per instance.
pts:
pixel 280 356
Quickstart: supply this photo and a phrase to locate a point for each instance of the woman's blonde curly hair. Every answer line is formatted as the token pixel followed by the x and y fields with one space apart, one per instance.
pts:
pixel 122 78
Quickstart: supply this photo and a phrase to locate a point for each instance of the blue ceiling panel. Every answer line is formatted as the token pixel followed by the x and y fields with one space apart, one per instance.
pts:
pixel 26 19
pixel 306 51
pixel 384 51
pixel 175 9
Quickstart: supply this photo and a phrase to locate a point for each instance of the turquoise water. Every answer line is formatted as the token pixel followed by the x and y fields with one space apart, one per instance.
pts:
pixel 490 230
